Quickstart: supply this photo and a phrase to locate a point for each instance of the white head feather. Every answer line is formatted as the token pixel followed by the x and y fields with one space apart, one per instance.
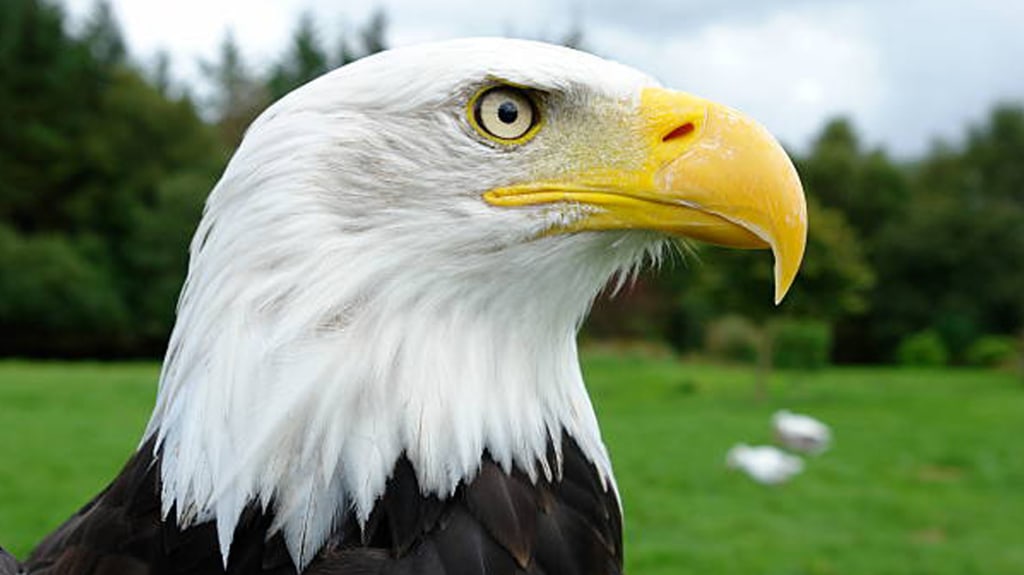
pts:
pixel 351 298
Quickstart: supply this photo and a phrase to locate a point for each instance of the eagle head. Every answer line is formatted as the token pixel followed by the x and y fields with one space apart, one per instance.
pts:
pixel 398 257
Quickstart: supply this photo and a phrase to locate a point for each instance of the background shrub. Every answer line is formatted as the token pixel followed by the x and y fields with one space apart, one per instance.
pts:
pixel 924 348
pixel 992 351
pixel 801 344
pixel 733 338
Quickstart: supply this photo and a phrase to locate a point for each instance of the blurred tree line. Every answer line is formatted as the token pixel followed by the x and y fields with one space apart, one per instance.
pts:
pixel 105 163
pixel 919 262
pixel 104 168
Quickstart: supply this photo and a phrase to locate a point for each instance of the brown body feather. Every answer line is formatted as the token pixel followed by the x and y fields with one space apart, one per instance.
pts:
pixel 8 564
pixel 497 523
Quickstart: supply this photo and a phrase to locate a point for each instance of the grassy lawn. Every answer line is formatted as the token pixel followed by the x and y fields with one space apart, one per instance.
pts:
pixel 926 474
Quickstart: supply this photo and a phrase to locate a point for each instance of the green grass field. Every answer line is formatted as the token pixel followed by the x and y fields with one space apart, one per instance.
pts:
pixel 926 475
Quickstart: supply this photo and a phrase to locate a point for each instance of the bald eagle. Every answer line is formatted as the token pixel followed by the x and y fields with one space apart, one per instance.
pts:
pixel 374 364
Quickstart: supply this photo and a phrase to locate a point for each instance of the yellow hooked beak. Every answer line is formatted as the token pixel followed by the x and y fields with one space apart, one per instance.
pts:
pixel 703 171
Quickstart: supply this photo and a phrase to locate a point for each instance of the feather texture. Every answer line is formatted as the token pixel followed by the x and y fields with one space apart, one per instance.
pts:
pixel 495 523
pixel 351 300
pixel 8 564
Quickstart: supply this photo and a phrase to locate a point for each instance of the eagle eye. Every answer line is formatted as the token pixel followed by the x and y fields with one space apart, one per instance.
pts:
pixel 505 114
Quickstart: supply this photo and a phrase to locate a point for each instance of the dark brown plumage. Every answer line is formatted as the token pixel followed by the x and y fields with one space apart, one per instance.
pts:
pixel 498 523
pixel 8 564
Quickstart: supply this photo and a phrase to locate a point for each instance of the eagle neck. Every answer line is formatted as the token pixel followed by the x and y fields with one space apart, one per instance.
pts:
pixel 312 425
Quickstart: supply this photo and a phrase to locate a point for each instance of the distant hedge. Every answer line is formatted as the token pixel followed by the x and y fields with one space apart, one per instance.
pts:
pixel 801 344
pixel 923 349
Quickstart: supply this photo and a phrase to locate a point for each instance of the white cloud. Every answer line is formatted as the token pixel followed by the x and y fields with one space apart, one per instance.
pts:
pixel 791 70
pixel 191 30
pixel 946 63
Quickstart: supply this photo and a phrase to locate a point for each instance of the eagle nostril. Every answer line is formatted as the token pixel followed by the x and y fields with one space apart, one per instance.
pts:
pixel 679 132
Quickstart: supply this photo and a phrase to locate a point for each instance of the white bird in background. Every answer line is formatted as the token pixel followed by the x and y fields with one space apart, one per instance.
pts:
pixel 764 464
pixel 802 433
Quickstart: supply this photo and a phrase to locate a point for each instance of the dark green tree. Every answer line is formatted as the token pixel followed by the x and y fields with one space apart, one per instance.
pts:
pixel 103 36
pixel 50 85
pixel 305 59
pixel 370 39
pixel 238 96
pixel 54 299
pixel 373 35
pixel 159 74
pixel 866 186
pixel 86 158
pixel 953 264
pixel 871 192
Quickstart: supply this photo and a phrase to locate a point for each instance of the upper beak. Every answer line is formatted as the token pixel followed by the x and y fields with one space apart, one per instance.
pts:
pixel 709 173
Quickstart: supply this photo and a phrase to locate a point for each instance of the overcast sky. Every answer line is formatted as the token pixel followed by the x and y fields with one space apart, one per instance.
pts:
pixel 906 71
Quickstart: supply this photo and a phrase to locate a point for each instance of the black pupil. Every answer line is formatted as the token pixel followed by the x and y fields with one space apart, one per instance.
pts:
pixel 508 112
